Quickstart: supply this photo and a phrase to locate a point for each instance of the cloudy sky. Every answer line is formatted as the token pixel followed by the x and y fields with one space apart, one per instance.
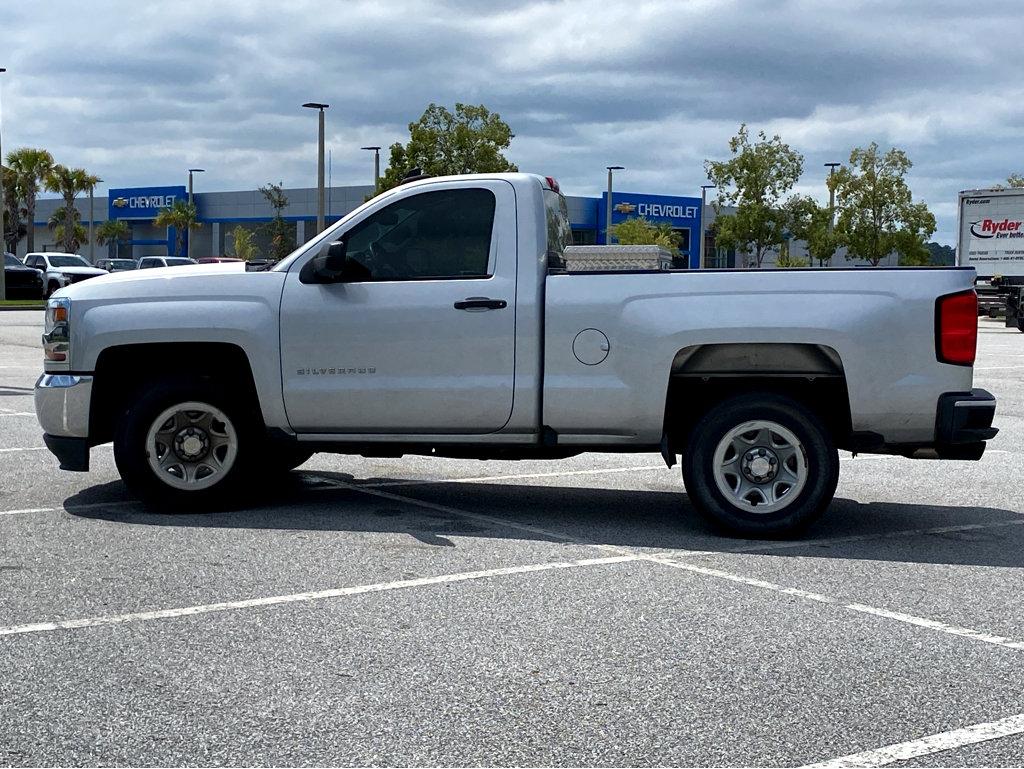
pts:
pixel 138 92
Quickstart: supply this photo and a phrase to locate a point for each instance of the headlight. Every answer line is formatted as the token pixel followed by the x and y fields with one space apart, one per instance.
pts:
pixel 57 331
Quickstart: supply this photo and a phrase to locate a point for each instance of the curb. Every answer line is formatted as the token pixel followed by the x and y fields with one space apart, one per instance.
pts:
pixel 22 309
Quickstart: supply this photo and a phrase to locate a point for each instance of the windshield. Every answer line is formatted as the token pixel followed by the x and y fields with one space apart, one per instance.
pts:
pixel 123 264
pixel 12 261
pixel 175 261
pixel 68 261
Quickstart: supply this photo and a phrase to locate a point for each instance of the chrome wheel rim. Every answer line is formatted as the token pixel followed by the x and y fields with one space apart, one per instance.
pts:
pixel 760 467
pixel 191 446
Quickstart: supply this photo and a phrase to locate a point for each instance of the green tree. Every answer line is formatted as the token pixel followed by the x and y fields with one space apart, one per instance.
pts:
pixel 753 180
pixel 280 232
pixel 877 213
pixel 441 142
pixel 244 247
pixel 787 260
pixel 31 167
pixel 68 182
pixel 112 233
pixel 810 222
pixel 14 213
pixel 941 255
pixel 70 236
pixel 183 217
pixel 640 232
pixel 1015 180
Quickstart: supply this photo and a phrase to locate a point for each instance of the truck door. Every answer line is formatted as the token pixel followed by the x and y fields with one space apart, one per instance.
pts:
pixel 422 338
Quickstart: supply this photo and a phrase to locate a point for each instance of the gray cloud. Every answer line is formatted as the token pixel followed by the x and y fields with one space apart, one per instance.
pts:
pixel 137 93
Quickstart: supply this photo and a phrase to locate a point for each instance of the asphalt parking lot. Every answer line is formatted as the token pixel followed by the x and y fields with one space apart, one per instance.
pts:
pixel 429 611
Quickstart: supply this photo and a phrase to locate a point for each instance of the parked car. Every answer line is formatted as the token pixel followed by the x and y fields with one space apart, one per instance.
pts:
pixel 59 269
pixel 117 265
pixel 22 282
pixel 438 319
pixel 217 259
pixel 149 262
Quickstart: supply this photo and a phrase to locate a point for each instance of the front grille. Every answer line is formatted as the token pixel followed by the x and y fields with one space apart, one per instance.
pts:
pixel 24 279
pixel 80 278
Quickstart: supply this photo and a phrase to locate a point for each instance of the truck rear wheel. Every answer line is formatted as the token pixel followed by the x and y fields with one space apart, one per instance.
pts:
pixel 761 465
pixel 185 445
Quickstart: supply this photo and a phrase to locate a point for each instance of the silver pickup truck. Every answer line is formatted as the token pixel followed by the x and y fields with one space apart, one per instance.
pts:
pixel 438 319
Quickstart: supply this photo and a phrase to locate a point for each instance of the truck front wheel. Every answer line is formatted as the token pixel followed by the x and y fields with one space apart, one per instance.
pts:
pixel 184 445
pixel 761 465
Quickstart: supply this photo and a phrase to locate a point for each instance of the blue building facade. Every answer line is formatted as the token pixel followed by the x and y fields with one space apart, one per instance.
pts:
pixel 220 213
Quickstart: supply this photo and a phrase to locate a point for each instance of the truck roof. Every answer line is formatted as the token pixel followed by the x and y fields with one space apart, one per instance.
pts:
pixel 992 191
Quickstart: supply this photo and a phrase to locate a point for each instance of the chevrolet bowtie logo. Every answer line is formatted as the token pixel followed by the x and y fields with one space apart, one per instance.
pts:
pixel 120 202
pixel 625 208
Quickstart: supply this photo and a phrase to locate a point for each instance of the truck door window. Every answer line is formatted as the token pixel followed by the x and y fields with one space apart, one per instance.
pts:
pixel 435 235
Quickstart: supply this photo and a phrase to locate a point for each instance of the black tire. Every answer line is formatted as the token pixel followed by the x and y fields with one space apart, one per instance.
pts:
pixel 51 288
pixel 131 453
pixel 821 460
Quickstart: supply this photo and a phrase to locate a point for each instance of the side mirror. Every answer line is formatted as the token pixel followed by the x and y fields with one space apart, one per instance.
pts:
pixel 327 266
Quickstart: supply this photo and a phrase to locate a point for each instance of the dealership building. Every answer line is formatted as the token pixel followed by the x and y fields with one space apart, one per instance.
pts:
pixel 220 213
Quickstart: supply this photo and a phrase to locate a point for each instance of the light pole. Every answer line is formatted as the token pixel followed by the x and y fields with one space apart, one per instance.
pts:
pixel 608 208
pixel 92 246
pixel 831 201
pixel 188 235
pixel 703 207
pixel 319 165
pixel 376 168
pixel 3 210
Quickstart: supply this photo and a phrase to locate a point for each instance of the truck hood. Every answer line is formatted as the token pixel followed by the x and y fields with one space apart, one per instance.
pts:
pixel 195 282
pixel 79 270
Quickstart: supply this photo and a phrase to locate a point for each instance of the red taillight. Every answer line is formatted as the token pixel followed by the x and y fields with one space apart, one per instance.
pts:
pixel 956 328
pixel 552 184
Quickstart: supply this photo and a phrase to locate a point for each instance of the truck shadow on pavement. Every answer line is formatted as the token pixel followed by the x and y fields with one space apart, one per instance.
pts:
pixel 636 518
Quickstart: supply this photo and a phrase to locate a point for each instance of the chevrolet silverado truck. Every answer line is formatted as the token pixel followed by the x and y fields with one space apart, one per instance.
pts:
pixel 438 318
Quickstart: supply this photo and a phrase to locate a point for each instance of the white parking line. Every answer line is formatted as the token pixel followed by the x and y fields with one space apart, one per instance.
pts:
pixel 317 595
pixel 922 622
pixel 909 619
pixel 926 746
pixel 17 414
pixel 23 448
pixel 69 508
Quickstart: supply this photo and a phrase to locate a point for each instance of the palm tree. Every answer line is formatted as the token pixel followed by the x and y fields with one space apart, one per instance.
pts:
pixel 68 182
pixel 70 238
pixel 31 167
pixel 113 231
pixel 182 216
pixel 14 212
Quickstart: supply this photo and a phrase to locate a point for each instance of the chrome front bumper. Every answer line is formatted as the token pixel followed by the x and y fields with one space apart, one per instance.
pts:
pixel 62 404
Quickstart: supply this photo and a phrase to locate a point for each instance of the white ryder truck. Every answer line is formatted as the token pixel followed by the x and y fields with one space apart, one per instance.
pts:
pixel 991 226
pixel 438 319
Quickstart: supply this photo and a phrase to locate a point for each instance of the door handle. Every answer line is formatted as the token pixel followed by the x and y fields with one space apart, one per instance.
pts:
pixel 481 303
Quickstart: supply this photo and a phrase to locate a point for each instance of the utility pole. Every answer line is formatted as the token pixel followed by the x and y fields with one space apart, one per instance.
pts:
pixel 831 199
pixel 376 168
pixel 608 207
pixel 3 210
pixel 92 245
pixel 319 164
pixel 703 207
pixel 188 235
